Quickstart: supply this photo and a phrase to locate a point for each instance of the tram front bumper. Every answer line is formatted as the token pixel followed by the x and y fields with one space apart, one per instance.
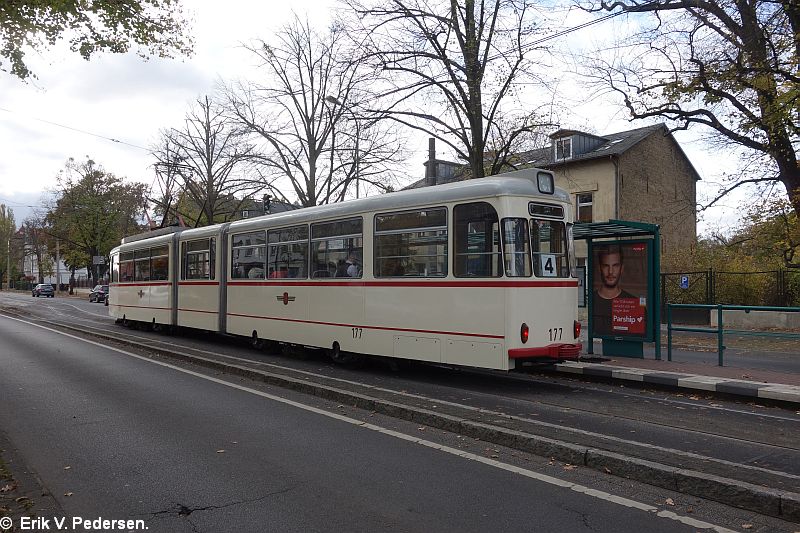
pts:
pixel 558 351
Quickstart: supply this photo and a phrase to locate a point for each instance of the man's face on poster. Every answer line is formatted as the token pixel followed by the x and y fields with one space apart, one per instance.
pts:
pixel 610 269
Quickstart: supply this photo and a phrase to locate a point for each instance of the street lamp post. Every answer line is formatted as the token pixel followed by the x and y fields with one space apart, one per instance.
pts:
pixel 335 101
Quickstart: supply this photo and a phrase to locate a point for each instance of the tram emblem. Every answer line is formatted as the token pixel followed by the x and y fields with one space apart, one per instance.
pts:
pixel 285 298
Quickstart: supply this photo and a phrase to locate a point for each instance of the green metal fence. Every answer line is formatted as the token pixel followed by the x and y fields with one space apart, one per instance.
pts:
pixel 720 331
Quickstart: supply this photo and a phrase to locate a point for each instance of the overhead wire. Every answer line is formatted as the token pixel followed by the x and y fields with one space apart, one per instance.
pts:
pixel 85 132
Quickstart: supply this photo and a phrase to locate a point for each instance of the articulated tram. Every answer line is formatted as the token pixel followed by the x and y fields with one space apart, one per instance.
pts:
pixel 479 273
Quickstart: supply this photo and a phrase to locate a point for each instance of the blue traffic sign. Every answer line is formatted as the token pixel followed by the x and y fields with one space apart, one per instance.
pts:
pixel 684 282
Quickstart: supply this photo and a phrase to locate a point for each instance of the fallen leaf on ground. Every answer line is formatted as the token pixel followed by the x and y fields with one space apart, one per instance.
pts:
pixel 569 467
pixel 220 451
pixel 747 526
pixel 8 488
pixel 690 509
pixel 694 397
pixel 67 467
pixel 421 428
pixel 670 501
pixel 608 470
pixel 67 494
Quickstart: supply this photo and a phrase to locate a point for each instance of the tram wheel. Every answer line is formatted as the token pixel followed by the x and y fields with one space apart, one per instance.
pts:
pixel 255 342
pixel 343 358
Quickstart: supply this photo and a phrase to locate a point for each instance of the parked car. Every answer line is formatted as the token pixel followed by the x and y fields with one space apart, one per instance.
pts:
pixel 43 289
pixel 98 294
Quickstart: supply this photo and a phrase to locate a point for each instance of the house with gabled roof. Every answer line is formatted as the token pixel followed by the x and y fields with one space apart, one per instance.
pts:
pixel 641 175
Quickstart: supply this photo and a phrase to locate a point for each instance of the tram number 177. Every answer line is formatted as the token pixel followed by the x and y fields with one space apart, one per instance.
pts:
pixel 555 333
pixel 356 333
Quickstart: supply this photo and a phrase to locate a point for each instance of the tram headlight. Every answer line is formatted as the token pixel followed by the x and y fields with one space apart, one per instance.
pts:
pixel 524 332
pixel 576 329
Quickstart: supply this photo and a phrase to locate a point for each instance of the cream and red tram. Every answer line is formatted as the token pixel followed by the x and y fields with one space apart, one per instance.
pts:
pixel 477 273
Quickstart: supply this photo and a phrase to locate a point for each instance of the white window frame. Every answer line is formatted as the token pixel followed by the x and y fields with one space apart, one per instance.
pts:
pixel 562 143
pixel 579 204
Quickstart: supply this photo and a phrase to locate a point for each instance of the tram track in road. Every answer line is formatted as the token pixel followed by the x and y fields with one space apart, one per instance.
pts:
pixel 488 397
pixel 673 457
pixel 511 393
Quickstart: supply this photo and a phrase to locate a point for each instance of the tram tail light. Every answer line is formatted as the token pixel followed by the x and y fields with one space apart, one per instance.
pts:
pixel 576 329
pixel 523 332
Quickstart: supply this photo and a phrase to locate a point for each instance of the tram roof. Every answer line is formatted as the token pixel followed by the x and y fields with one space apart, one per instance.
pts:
pixel 517 183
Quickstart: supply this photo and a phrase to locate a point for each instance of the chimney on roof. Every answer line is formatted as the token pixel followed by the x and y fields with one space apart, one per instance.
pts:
pixel 430 167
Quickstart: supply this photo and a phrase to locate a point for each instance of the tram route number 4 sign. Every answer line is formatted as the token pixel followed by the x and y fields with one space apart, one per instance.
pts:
pixel 627 316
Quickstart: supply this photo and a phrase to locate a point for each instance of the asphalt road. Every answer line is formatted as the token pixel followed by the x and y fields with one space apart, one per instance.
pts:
pixel 128 438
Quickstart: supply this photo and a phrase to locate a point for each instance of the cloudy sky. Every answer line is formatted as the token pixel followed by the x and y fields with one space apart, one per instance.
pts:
pixel 75 108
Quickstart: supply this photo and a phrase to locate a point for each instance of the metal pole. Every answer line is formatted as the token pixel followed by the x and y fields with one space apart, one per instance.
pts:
pixel 8 265
pixel 720 346
pixel 58 265
pixel 590 296
pixel 669 332
pixel 358 159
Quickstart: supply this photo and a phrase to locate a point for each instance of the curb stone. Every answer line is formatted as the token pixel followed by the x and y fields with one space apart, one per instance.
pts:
pixel 737 387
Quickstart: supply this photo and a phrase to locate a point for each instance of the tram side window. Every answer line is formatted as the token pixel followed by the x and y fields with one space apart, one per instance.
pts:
pixel 141 260
pixel 516 248
pixel 337 249
pixel 549 242
pixel 411 243
pixel 248 254
pixel 198 259
pixel 159 263
pixel 288 253
pixel 477 241
pixel 126 268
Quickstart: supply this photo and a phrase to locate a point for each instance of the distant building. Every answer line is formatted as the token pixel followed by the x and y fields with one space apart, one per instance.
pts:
pixel 255 208
pixel 55 272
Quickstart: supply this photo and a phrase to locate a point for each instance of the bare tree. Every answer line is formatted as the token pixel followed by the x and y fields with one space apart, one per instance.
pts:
pixel 204 167
pixel 316 141
pixel 728 66
pixel 454 70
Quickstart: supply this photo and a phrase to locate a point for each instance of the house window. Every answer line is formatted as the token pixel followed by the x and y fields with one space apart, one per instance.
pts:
pixel 563 148
pixel 245 214
pixel 584 213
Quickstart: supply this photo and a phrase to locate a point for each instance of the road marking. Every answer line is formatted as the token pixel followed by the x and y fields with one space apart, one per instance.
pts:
pixel 576 487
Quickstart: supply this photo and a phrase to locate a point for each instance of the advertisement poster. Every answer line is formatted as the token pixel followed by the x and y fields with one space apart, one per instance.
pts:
pixel 619 289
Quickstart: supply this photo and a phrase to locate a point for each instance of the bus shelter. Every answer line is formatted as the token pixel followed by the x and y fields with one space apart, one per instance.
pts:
pixel 622 286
